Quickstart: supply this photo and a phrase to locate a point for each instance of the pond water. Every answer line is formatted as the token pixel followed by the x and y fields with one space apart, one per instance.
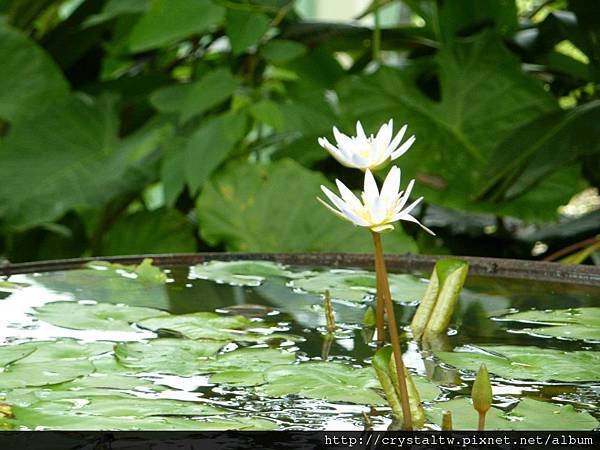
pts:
pixel 245 346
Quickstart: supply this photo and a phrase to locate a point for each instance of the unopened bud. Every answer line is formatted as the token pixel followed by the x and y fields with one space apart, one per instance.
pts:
pixel 447 421
pixel 482 391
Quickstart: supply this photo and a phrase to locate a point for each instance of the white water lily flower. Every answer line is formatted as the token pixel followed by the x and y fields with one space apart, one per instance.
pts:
pixel 362 152
pixel 377 210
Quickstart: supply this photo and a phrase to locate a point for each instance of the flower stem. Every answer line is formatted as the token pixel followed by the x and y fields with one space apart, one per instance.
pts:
pixel 481 422
pixel 383 290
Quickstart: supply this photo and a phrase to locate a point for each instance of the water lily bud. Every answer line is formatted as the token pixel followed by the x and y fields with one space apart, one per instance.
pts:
pixel 482 391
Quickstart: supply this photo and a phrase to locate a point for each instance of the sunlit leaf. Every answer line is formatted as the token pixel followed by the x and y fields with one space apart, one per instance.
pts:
pixel 241 273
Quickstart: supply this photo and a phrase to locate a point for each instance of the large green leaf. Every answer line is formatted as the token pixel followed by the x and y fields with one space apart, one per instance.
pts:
pixel 210 145
pixel 360 285
pixel 150 232
pixel 100 316
pixel 541 147
pixel 242 273
pixel 89 165
pixel 245 28
pixel 527 415
pixel 172 356
pixel 29 79
pixel 213 88
pixel 528 363
pixel 484 97
pixel 12 353
pixel 573 323
pixel 168 21
pixel 252 207
pixel 61 349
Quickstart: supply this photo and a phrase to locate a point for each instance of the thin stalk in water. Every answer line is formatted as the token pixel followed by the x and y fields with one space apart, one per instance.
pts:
pixel 383 288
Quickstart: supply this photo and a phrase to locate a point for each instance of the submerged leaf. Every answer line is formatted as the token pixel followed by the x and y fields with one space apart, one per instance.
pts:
pixel 527 363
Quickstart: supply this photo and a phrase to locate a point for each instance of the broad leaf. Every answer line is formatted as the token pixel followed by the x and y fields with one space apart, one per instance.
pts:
pixel 100 316
pixel 210 145
pixel 150 232
pixel 248 366
pixel 252 207
pixel 168 21
pixel 279 51
pixel 29 79
pixel 43 373
pixel 61 349
pixel 213 88
pixel 89 165
pixel 245 28
pixel 12 353
pixel 527 363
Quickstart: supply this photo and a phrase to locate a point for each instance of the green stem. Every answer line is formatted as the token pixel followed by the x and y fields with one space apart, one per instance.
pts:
pixel 481 422
pixel 393 329
pixel 376 36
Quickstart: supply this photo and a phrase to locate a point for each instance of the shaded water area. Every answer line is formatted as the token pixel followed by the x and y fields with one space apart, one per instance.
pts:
pixel 282 312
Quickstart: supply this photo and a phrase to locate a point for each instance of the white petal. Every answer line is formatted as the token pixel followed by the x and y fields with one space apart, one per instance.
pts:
pixel 371 192
pixel 384 135
pixel 351 200
pixel 384 227
pixel 405 196
pixel 391 185
pixel 340 137
pixel 360 132
pixel 410 207
pixel 333 210
pixel 337 202
pixel 378 211
pixel 403 148
pixel 409 218
pixel 396 141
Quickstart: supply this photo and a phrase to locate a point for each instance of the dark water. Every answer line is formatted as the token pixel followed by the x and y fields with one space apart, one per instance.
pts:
pixel 302 314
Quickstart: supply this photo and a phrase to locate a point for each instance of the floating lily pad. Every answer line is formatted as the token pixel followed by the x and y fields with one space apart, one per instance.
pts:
pixel 247 366
pixel 572 323
pixel 43 373
pixel 527 363
pixel 110 283
pixel 360 285
pixel 332 381
pixel 169 356
pixel 47 351
pixel 49 420
pixel 208 325
pixel 241 273
pixel 12 353
pixel 99 316
pixel 527 415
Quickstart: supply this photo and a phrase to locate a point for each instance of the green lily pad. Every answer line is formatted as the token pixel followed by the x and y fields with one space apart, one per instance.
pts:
pixel 241 273
pixel 169 356
pixel 45 351
pixel 110 283
pixel 247 366
pixel 332 381
pixel 572 323
pixel 99 316
pixel 527 363
pixel 360 285
pixel 12 353
pixel 144 272
pixel 43 373
pixel 527 415
pixel 49 420
pixel 208 325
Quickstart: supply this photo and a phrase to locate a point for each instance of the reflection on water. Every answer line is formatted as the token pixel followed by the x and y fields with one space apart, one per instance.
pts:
pixel 302 314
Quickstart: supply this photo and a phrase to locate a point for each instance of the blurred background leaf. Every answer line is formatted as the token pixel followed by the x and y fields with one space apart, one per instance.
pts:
pixel 134 126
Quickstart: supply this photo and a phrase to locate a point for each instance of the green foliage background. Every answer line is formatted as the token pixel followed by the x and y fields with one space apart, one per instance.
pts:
pixel 147 126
